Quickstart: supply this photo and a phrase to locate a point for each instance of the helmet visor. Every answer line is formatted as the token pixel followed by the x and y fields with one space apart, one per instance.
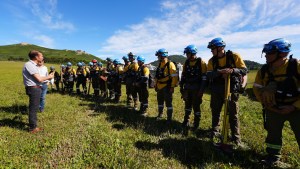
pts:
pixel 211 45
pixel 269 49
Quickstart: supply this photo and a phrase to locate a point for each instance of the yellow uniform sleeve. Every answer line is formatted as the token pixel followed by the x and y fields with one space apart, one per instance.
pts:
pixel 120 70
pixel 203 66
pixel 146 71
pixel 258 85
pixel 297 103
pixel 125 68
pixel 210 65
pixel 135 66
pixel 174 75
pixel 239 62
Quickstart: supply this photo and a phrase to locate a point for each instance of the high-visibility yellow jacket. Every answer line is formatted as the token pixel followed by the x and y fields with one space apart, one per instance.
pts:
pixel 277 74
pixel 169 75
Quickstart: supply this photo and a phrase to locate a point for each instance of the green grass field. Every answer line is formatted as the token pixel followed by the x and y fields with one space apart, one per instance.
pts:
pixel 76 135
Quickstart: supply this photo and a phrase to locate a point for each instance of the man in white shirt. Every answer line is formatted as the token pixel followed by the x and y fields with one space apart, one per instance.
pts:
pixel 43 73
pixel 32 82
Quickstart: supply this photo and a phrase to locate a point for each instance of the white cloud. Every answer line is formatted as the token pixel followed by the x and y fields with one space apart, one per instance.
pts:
pixel 245 26
pixel 46 11
pixel 44 40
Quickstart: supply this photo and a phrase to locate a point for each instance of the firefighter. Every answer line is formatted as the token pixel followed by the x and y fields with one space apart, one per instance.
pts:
pixel 277 86
pixel 131 75
pixel 94 77
pixel 69 77
pixel 81 78
pixel 219 67
pixel 62 80
pixel 141 83
pixel 166 78
pixel 56 78
pixel 117 79
pixel 127 81
pixel 192 85
pixel 102 81
pixel 110 68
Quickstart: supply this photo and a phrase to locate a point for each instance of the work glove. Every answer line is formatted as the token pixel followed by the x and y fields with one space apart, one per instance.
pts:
pixel 268 94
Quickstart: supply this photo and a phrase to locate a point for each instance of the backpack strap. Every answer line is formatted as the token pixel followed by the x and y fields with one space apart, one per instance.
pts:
pixel 230 59
pixel 198 62
pixel 292 68
pixel 215 62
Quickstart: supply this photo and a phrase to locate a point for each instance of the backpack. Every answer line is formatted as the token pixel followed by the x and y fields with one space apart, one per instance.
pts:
pixel 151 81
pixel 240 79
pixel 197 65
pixel 287 87
pixel 169 74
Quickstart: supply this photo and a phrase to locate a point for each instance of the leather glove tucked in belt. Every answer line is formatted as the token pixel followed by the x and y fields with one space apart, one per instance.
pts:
pixel 268 94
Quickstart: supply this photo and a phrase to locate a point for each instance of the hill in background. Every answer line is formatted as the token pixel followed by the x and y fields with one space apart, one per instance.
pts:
pixel 19 52
pixel 251 65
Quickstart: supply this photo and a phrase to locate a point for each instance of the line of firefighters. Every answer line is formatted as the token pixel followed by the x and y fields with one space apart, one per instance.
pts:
pixel 196 76
pixel 106 82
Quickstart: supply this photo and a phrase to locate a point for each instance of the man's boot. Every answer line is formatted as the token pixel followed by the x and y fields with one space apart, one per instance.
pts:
pixel 196 122
pixel 185 122
pixel 135 105
pixel 169 116
pixel 78 91
pixel 111 95
pixel 141 108
pixel 159 116
pixel 145 112
pixel 117 99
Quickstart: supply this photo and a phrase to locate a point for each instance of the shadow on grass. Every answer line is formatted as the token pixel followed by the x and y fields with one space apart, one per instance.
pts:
pixel 16 123
pixel 250 94
pixel 193 152
pixel 133 119
pixel 15 109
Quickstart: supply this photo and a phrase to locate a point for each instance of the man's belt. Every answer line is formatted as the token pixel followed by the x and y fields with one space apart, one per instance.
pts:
pixel 34 86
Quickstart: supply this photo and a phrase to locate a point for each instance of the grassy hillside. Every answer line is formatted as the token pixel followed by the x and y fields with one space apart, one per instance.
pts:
pixel 181 59
pixel 19 52
pixel 175 58
pixel 79 133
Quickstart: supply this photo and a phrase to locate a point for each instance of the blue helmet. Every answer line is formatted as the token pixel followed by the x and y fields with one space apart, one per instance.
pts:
pixel 83 64
pixel 79 64
pixel 63 66
pixel 130 54
pixel 125 58
pixel 217 42
pixel 162 52
pixel 190 49
pixel 108 59
pixel 69 64
pixel 100 64
pixel 117 61
pixel 90 63
pixel 141 59
pixel 52 68
pixel 277 45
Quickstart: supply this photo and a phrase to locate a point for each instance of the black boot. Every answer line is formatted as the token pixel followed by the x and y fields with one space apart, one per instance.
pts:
pixel 169 116
pixel 196 122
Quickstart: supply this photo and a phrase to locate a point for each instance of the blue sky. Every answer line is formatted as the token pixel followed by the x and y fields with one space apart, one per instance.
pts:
pixel 114 28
